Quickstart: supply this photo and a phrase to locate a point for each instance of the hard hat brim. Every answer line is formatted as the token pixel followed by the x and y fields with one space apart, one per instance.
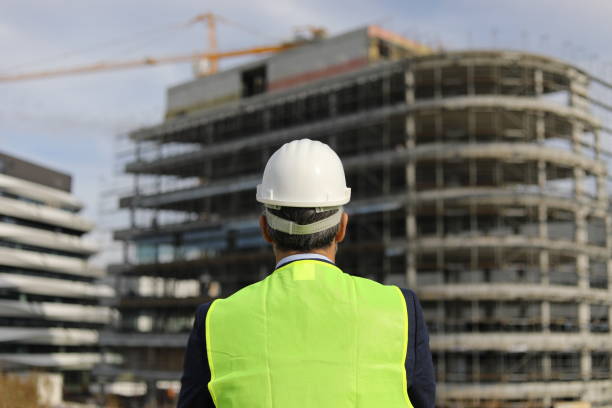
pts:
pixel 306 204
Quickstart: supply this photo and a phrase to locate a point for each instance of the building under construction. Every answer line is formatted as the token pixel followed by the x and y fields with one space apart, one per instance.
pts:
pixel 478 180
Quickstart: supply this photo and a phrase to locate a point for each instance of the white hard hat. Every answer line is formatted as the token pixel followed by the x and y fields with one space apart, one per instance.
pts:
pixel 304 173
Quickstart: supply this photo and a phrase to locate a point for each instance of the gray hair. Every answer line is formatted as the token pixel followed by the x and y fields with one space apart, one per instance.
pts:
pixel 302 216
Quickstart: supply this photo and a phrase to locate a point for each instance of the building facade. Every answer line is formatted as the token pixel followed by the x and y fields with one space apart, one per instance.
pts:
pixel 50 314
pixel 478 180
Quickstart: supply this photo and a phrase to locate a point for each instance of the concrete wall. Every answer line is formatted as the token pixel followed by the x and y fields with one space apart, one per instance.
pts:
pixel 204 92
pixel 225 86
pixel 25 170
pixel 320 55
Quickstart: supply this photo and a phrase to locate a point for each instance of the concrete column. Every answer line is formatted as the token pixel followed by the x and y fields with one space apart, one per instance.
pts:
pixel 440 266
pixel 609 270
pixel 333 104
pixel 584 314
pixel 151 397
pixel 582 260
pixel 102 396
pixel 542 208
pixel 136 179
pixel 584 311
pixel 597 143
pixel 439 127
pixel 440 367
pixel 386 88
pixel 544 260
pixel 582 267
pixel 585 364
pixel 602 190
pixel 546 366
pixel 544 256
pixel 154 221
pixel 578 183
pixel 470 80
pixel 580 236
pixel 476 374
pixel 474 306
pixel 439 202
pixel 584 317
pixel 496 89
pixel 541 137
pixel 571 75
pixel 386 182
pixel 440 315
pixel 437 82
pixel 472 140
pixel 545 316
pixel 578 171
pixel 577 87
pixel 538 82
pixel 409 83
pixel 125 250
pixel 411 232
pixel 602 185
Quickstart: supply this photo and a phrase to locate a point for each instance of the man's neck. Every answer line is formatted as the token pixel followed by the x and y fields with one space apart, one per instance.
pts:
pixel 329 252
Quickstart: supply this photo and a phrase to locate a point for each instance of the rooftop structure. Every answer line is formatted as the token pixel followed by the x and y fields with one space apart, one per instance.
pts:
pixel 49 299
pixel 478 179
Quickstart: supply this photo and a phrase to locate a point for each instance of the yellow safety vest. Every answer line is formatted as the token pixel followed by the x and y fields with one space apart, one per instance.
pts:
pixel 312 336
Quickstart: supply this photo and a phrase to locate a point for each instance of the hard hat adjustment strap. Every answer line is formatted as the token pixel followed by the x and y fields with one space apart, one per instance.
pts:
pixel 323 209
pixel 317 209
pixel 289 227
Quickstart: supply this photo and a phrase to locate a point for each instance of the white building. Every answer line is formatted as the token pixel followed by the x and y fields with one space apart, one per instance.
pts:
pixel 50 312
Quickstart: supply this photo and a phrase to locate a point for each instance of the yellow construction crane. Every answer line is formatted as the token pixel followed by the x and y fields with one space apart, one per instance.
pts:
pixel 211 21
pixel 212 56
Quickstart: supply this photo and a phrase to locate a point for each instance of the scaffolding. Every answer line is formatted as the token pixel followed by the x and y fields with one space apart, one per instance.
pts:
pixel 479 179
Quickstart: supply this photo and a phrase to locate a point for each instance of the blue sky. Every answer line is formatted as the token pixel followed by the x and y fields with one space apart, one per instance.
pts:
pixel 71 123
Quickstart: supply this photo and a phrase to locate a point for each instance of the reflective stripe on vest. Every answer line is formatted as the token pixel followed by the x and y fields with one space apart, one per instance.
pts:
pixel 309 335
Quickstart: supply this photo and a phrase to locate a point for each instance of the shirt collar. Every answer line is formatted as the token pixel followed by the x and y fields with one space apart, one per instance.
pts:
pixel 298 257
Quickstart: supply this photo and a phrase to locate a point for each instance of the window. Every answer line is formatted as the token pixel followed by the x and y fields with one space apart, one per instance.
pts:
pixel 254 81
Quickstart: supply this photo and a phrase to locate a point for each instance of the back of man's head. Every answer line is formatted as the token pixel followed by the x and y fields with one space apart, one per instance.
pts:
pixel 305 242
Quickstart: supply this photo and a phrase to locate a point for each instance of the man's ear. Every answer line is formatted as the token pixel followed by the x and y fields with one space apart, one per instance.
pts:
pixel 263 226
pixel 342 228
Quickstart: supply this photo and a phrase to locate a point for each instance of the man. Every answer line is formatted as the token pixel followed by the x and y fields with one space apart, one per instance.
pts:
pixel 308 335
